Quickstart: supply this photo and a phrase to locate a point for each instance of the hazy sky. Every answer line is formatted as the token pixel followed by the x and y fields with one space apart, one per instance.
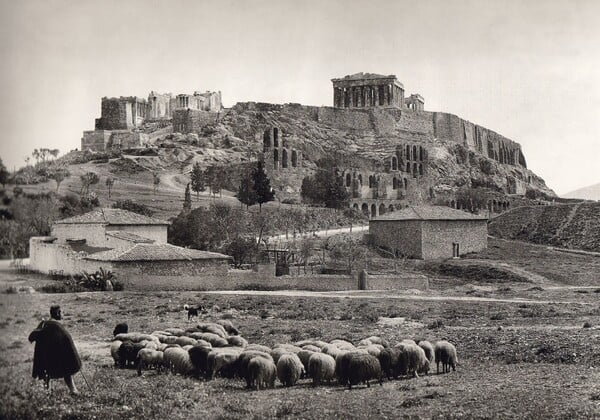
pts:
pixel 529 70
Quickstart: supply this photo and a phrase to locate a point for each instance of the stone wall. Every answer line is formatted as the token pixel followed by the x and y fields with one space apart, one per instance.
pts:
pixel 101 140
pixel 95 141
pixel 192 120
pixel 404 236
pixel 439 235
pixel 121 113
pixel 45 256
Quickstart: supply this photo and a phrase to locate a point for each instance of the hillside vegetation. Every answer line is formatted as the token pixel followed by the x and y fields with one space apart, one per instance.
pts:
pixel 563 225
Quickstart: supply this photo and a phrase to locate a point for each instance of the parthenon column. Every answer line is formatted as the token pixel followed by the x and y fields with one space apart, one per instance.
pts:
pixel 376 96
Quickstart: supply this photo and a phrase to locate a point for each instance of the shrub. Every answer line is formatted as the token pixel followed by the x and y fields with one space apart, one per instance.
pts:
pixel 587 324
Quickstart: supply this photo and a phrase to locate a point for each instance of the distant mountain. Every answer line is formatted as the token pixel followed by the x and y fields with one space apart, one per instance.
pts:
pixel 591 192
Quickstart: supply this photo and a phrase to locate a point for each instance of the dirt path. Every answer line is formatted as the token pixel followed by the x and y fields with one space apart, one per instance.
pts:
pixel 323 233
pixel 371 295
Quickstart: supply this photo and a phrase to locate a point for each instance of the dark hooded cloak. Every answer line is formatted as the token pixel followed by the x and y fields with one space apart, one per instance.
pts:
pixel 55 355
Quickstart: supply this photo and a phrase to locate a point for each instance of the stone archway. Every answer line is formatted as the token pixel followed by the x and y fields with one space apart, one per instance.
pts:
pixel 348 179
pixel 275 158
pixel 284 158
pixel 381 209
pixel 294 158
pixel 394 163
pixel 373 210
pixel 365 209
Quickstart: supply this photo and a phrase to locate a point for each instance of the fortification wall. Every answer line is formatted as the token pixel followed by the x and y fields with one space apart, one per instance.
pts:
pixel 193 120
pixel 46 257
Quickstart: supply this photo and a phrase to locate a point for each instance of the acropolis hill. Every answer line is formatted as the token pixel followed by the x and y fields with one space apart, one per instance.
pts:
pixel 391 151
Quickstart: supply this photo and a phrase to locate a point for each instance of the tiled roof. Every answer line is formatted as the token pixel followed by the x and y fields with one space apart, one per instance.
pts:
pixel 112 217
pixel 361 75
pixel 155 252
pixel 128 236
pixel 430 213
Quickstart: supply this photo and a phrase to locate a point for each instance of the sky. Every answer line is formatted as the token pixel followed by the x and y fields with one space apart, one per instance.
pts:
pixel 528 70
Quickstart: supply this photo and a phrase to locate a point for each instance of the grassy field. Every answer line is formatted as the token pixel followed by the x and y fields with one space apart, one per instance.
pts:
pixel 523 351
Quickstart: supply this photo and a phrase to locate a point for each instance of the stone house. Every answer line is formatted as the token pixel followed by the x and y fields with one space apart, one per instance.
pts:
pixel 132 246
pixel 429 232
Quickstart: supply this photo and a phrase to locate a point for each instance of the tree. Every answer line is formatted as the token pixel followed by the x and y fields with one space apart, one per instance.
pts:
pixel 197 179
pixel 59 176
pixel 88 180
pixel 262 185
pixel 155 181
pixel 346 248
pixel 187 199
pixel 4 174
pixel 110 181
pixel 215 178
pixel 242 249
pixel 246 192
pixel 54 153
pixel 36 155
pixel 325 186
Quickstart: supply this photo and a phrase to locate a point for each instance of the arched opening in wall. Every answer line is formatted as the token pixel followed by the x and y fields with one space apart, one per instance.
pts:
pixel 284 158
pixel 420 169
pixel 391 208
pixel 360 179
pixel 395 183
pixel 266 139
pixel 381 209
pixel 407 152
pixel 421 153
pixel 415 170
pixel 414 153
pixel 453 204
pixel 373 210
pixel 275 136
pixel 371 181
pixel 355 206
pixel 381 95
pixel 507 205
pixel 276 158
pixel 365 209
pixel 408 167
pixel 489 206
pixel 405 183
pixel 348 179
pixel 494 206
pixel 394 163
pixel 294 158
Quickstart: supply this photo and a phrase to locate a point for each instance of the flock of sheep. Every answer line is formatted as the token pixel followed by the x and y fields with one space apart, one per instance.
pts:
pixel 216 348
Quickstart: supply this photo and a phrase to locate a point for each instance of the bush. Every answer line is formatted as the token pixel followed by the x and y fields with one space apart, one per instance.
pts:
pixel 587 324
pixel 132 206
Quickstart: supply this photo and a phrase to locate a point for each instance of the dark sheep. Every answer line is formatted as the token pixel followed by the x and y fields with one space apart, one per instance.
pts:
pixel 342 363
pixel 128 354
pixel 388 359
pixel 199 358
pixel 121 328
pixel 362 368
pixel 445 353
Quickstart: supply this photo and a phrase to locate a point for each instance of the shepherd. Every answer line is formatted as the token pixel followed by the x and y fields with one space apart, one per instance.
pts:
pixel 55 355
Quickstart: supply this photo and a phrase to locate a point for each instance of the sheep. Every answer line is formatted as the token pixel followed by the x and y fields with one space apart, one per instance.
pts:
pixel 175 331
pixel 243 361
pixel 362 368
pixel 321 367
pixel 114 351
pixel 429 351
pixel 277 352
pixel 149 358
pixel 211 327
pixel 237 341
pixel 378 340
pixel 332 350
pixel 303 343
pixel 214 339
pixel 445 353
pixel 185 341
pixel 412 360
pixel 304 356
pixel 121 328
pixel 135 337
pixel 178 360
pixel 128 353
pixel 203 343
pixel 222 361
pixel 199 359
pixel 289 347
pixel 312 348
pixel 289 369
pixel 261 373
pixel 388 359
pixel 342 361
pixel 407 341
pixel 228 326
pixel 372 349
pixel 258 347
pixel 151 345
pixel 343 344
pixel 168 339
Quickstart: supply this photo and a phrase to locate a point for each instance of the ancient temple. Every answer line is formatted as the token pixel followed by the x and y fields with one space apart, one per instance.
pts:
pixel 368 90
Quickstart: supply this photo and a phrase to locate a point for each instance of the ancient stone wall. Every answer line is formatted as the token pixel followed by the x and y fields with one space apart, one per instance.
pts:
pixel 45 257
pixel 160 105
pixel 192 120
pixel 95 141
pixel 121 113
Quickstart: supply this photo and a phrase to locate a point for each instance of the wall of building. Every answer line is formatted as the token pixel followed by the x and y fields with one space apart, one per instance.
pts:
pixel 46 257
pixel 439 235
pixel 160 105
pixel 158 233
pixel 192 120
pixel 93 233
pixel 95 141
pixel 401 235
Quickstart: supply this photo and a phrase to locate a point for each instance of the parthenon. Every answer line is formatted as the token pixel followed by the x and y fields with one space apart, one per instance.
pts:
pixel 367 90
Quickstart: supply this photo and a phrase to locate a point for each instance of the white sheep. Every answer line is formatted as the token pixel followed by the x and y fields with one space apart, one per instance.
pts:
pixel 237 341
pixel 429 351
pixel 178 360
pixel 445 353
pixel 261 373
pixel 321 367
pixel 289 369
pixel 114 351
pixel 149 358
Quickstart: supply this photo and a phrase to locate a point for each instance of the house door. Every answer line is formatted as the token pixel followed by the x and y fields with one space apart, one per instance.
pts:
pixel 455 250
